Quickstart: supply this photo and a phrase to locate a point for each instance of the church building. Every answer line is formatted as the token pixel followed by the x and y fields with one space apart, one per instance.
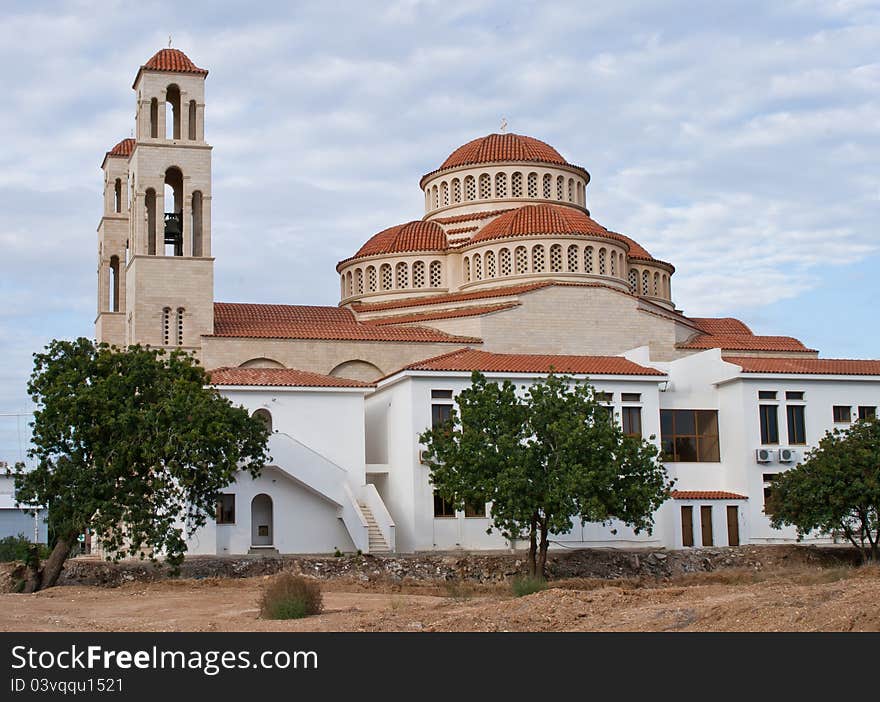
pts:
pixel 505 272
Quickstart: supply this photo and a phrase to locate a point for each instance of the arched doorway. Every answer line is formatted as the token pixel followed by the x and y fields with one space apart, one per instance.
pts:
pixel 261 520
pixel 265 416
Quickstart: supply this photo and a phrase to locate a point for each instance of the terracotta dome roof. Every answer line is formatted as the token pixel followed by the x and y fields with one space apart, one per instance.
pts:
pixel 403 238
pixel 171 61
pixel 541 219
pixel 123 148
pixel 503 147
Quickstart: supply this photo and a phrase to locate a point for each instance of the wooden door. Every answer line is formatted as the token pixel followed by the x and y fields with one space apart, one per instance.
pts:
pixel 732 525
pixel 706 524
pixel 687 526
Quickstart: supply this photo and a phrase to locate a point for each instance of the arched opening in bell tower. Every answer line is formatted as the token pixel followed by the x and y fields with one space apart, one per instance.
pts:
pixel 117 195
pixel 197 223
pixel 172 116
pixel 154 118
pixel 192 120
pixel 113 302
pixel 150 203
pixel 174 217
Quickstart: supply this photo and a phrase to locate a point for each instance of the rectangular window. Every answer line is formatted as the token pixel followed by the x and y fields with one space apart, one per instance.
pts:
pixel 792 395
pixel 632 421
pixel 689 436
pixel 604 396
pixel 797 430
pixel 768 479
pixel 631 396
pixel 766 394
pixel 475 509
pixel 441 394
pixel 867 412
pixel 842 413
pixel 440 411
pixel 442 508
pixel 226 509
pixel 769 424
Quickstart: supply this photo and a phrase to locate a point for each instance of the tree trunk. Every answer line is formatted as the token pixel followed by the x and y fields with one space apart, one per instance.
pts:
pixel 533 544
pixel 542 557
pixel 48 575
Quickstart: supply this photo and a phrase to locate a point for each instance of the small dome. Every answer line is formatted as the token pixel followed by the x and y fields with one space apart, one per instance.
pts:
pixel 404 238
pixel 173 61
pixel 123 148
pixel 503 147
pixel 541 219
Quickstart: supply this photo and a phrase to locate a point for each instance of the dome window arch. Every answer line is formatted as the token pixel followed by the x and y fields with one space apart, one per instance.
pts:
pixel 478 267
pixel 571 189
pixel 560 188
pixel 533 185
pixel 436 274
pixel 521 260
pixel 418 274
pixel 434 198
pixel 580 194
pixel 538 258
pixel 602 264
pixel 490 264
pixel 613 258
pixel 444 193
pixel 573 258
pixel 656 285
pixel 371 278
pixel 504 262
pixel 348 289
pixel 588 259
pixel 548 186
pixel 385 276
pixel 456 190
pixel 516 185
pixel 467 269
pixel 556 258
pixel 359 281
pixel 485 186
pixel 501 185
pixel 633 281
pixel 645 279
pixel 401 275
pixel 470 188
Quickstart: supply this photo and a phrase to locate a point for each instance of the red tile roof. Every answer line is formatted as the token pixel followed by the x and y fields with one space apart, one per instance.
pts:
pixel 721 325
pixel 281 377
pixel 473 311
pixel 540 219
pixel 123 148
pixel 462 230
pixel 746 342
pixel 503 147
pixel 311 322
pixel 806 366
pixel 404 238
pixel 170 61
pixel 474 360
pixel 706 495
pixel 473 216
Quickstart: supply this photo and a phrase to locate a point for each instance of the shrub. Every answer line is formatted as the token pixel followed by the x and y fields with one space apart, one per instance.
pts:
pixel 527 585
pixel 290 596
pixel 15 548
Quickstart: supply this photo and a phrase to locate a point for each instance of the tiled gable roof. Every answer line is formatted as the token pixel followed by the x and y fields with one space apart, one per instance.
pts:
pixel 806 366
pixel 281 377
pixel 473 216
pixel 745 342
pixel 721 325
pixel 474 360
pixel 706 495
pixel 312 322
pixel 472 311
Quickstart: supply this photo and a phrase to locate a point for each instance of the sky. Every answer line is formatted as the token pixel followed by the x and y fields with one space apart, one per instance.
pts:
pixel 738 140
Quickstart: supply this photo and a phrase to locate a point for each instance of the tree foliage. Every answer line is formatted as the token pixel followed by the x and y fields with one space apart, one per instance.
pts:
pixel 836 489
pixel 542 458
pixel 132 444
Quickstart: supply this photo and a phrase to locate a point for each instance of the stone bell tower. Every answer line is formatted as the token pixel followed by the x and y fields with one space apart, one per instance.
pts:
pixel 156 273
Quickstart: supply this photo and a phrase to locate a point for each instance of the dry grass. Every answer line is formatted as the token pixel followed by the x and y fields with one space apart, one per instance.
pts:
pixel 289 596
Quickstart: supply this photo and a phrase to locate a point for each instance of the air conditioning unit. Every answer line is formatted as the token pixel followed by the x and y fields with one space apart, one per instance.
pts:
pixel 787 455
pixel 763 455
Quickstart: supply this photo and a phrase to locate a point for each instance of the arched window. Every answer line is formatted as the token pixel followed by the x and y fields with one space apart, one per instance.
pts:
pixel 359 281
pixel 117 195
pixel 504 261
pixel 548 185
pixel 588 259
pixel 467 269
pixel 621 266
pixel 150 204
pixel 444 193
pixel 174 219
pixel 485 186
pixel 197 223
pixel 402 275
pixel 478 267
pixel 602 261
pixel 180 312
pixel 560 188
pixel 436 274
pixel 573 258
pixel 371 278
pixel 516 185
pixel 470 188
pixel 613 257
pixel 533 185
pixel 521 260
pixel 571 189
pixel 172 116
pixel 645 279
pixel 418 273
pixel 456 190
pixel 192 120
pixel 348 288
pixel 434 198
pixel 385 276
pixel 500 185
pixel 633 281
pixel 264 416
pixel 538 258
pixel 556 258
pixel 114 284
pixel 666 287
pixel 154 118
pixel 166 326
pixel 656 285
pixel 490 264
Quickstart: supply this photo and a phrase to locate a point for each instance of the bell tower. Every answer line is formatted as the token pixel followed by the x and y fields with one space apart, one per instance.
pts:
pixel 165 278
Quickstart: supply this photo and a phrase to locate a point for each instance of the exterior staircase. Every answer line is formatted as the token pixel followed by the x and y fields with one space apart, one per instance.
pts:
pixel 377 541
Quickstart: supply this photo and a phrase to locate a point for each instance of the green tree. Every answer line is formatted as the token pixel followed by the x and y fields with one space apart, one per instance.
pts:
pixel 836 489
pixel 542 458
pixel 132 444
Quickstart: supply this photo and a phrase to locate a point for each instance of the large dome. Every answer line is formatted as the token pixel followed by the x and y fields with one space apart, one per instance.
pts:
pixel 405 238
pixel 540 219
pixel 503 147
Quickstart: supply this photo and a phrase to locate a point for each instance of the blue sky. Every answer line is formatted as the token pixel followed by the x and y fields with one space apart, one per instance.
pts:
pixel 739 141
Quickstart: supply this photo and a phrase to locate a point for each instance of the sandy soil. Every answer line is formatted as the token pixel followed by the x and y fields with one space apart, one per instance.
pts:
pixel 838 599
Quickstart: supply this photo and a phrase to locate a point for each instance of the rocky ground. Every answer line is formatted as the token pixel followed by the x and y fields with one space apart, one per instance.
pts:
pixel 749 588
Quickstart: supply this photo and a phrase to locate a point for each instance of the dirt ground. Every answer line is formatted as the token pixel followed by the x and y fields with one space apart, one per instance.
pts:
pixel 799 598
